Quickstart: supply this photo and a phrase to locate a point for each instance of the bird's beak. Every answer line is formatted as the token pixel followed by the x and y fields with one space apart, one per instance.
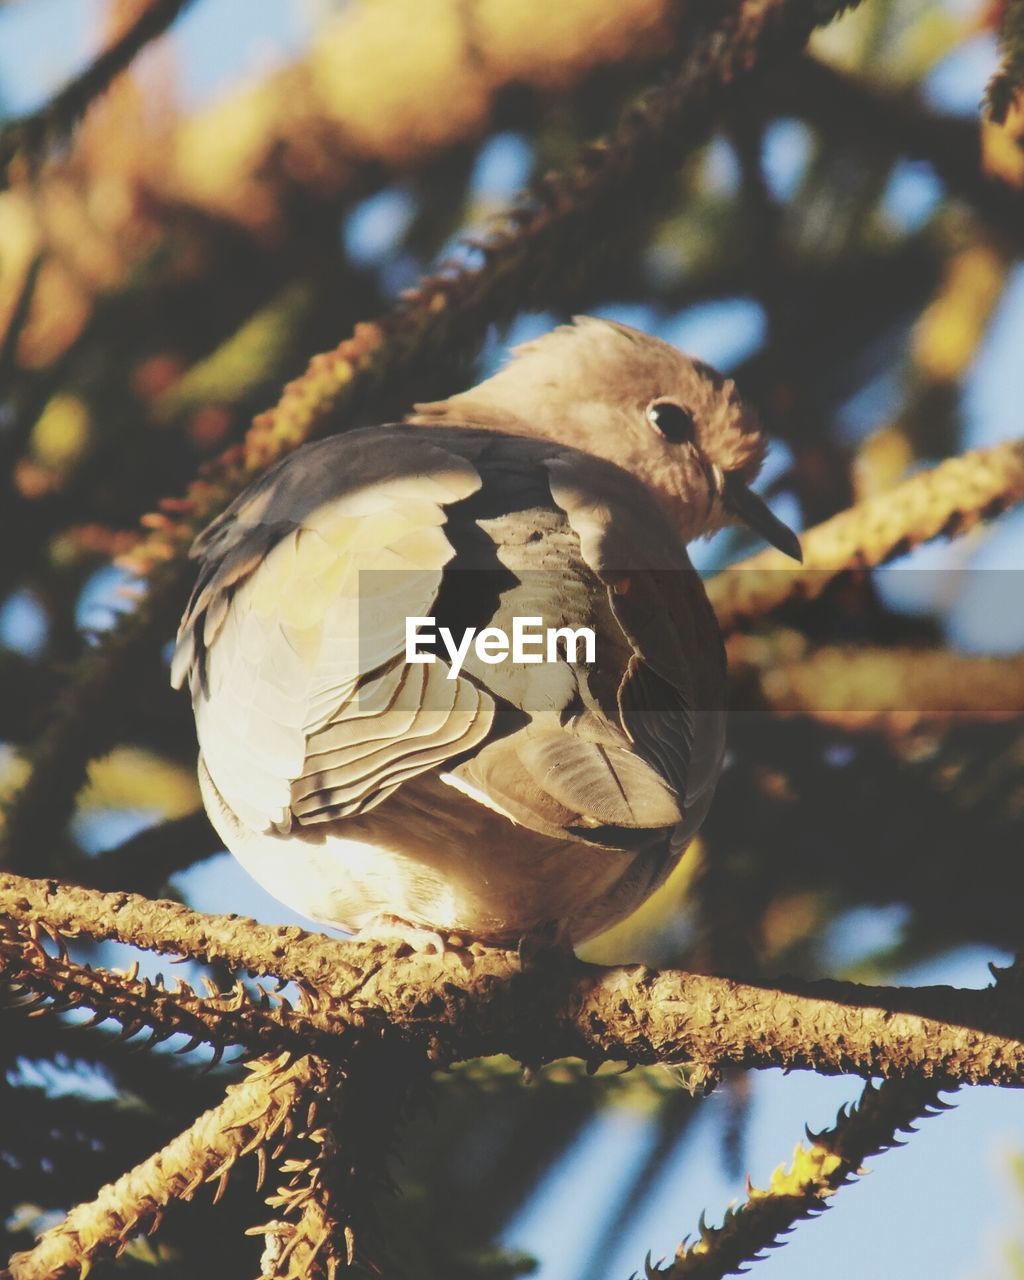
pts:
pixel 757 515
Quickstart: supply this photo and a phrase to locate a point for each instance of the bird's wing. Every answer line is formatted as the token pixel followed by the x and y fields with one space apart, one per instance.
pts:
pixel 672 693
pixel 294 640
pixel 624 745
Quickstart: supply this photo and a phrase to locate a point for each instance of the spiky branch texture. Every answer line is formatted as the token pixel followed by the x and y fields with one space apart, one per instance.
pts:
pixel 419 1010
pixel 459 1006
pixel 832 1158
pixel 38 980
pixel 258 1115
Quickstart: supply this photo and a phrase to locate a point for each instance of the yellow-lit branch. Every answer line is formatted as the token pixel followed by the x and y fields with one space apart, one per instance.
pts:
pixel 945 501
pixel 256 1115
pixel 818 1170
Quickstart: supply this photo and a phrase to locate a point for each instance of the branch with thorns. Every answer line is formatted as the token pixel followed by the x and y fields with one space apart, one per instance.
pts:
pixel 386 1017
pixel 833 1158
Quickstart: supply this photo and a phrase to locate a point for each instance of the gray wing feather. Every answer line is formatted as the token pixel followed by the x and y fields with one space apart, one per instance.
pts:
pixel 298 621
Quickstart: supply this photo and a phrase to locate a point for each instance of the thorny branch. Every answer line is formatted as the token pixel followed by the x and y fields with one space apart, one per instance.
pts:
pixel 331 1195
pixel 317 1238
pixel 459 1006
pixel 262 1022
pixel 257 1115
pixel 833 1158
pixel 946 501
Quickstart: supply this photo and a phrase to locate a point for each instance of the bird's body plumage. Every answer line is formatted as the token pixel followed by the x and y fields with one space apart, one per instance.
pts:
pixel 356 785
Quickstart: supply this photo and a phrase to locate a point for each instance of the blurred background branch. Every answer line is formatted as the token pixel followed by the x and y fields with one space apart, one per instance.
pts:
pixel 947 501
pixel 26 139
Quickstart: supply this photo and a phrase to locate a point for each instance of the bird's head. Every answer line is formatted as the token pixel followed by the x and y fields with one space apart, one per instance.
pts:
pixel 622 395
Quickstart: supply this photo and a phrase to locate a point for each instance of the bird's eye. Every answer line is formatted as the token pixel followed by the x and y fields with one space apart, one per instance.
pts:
pixel 672 421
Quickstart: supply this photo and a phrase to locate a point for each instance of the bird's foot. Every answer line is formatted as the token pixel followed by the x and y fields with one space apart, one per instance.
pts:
pixel 551 939
pixel 418 938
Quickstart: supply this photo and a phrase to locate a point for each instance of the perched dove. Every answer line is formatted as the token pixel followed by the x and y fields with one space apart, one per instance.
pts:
pixel 365 789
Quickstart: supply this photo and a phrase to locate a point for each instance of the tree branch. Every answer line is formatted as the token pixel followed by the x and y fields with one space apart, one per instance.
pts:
pixel 31 134
pixel 834 1158
pixel 873 688
pixel 173 929
pixel 458 1006
pixel 946 501
pixel 263 1024
pixel 257 1114
pixel 329 1200
pixel 316 1240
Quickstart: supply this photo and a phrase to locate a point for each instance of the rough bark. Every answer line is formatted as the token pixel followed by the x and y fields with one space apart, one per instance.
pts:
pixel 461 1005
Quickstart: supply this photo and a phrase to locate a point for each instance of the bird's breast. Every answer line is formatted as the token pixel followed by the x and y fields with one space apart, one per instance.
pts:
pixel 439 860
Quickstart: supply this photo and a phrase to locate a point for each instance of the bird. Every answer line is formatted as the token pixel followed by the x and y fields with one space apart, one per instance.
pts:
pixel 490 801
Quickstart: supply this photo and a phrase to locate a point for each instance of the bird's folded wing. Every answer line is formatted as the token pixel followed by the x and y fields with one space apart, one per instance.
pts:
pixel 672 695
pixel 294 640
pixel 561 784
